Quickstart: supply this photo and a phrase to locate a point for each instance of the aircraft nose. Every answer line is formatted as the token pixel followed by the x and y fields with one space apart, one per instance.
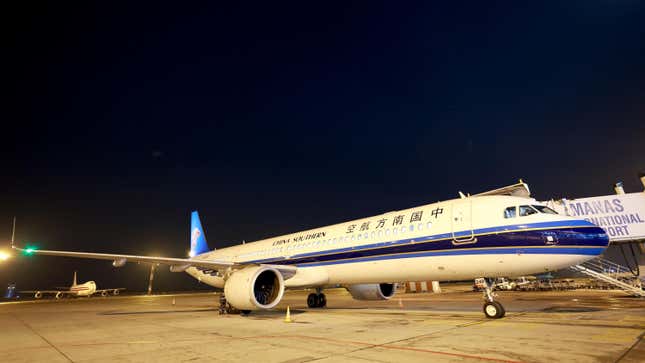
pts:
pixel 592 237
pixel 581 237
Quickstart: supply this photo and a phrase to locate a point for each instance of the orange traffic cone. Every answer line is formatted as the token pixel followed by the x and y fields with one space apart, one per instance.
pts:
pixel 287 318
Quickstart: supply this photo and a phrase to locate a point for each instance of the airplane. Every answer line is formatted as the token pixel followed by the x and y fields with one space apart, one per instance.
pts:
pixel 499 233
pixel 85 289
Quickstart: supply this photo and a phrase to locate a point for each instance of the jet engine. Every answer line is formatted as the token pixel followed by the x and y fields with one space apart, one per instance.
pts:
pixel 119 262
pixel 372 291
pixel 254 288
pixel 115 292
pixel 38 295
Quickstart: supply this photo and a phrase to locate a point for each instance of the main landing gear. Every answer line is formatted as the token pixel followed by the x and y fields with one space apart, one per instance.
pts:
pixel 492 308
pixel 226 308
pixel 317 300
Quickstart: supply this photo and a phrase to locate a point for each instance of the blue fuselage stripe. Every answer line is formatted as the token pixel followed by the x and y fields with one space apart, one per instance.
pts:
pixel 563 237
pixel 519 251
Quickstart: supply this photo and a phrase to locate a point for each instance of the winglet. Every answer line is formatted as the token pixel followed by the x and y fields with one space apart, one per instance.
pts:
pixel 198 243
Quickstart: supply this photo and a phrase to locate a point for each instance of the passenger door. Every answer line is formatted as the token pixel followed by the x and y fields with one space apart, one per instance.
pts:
pixel 462 223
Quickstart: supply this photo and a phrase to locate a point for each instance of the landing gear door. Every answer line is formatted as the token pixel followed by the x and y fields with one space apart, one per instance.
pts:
pixel 462 222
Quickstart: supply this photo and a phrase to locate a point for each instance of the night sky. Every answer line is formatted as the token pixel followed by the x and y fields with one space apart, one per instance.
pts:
pixel 119 119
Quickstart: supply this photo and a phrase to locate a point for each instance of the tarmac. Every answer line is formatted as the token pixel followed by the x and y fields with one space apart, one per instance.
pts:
pixel 567 326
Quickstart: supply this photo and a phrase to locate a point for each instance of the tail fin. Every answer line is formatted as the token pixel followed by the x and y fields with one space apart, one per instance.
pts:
pixel 74 282
pixel 198 243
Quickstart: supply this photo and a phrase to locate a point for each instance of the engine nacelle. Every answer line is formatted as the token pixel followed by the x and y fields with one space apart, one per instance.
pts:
pixel 38 295
pixel 254 288
pixel 119 262
pixel 372 291
pixel 115 292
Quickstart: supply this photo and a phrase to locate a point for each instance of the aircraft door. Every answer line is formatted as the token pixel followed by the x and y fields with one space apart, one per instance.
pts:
pixel 462 222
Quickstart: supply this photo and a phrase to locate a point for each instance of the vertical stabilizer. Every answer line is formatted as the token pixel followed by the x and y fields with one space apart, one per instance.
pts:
pixel 198 243
pixel 74 282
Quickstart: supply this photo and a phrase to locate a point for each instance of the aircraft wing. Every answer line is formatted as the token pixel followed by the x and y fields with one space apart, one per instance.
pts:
pixel 44 292
pixel 176 264
pixel 110 290
pixel 121 259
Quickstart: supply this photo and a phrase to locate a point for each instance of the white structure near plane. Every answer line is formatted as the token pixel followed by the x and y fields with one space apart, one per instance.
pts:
pixel 85 289
pixel 498 233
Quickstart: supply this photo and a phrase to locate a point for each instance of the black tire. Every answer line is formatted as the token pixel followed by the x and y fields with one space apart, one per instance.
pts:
pixel 312 301
pixel 322 301
pixel 245 312
pixel 494 310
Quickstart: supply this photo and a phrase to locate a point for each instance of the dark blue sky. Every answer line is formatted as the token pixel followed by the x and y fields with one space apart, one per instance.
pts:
pixel 122 118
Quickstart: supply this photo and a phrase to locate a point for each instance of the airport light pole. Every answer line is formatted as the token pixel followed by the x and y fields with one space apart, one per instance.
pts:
pixel 152 276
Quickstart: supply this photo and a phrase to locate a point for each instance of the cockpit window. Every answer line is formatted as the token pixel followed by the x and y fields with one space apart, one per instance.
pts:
pixel 545 209
pixel 510 212
pixel 527 210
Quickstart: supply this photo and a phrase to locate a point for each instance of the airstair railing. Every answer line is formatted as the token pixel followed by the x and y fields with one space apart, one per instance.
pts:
pixel 611 273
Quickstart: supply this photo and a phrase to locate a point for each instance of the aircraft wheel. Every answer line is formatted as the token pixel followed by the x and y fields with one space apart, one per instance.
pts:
pixel 312 301
pixel 230 309
pixel 104 293
pixel 322 301
pixel 494 310
pixel 245 312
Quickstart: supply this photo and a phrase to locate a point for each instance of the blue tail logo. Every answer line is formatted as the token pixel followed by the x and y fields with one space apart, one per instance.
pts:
pixel 198 243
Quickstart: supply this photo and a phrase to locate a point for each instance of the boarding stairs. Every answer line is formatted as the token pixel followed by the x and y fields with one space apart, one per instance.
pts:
pixel 610 273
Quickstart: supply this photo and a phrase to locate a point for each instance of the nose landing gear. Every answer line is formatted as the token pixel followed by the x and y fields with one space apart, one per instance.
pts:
pixel 492 309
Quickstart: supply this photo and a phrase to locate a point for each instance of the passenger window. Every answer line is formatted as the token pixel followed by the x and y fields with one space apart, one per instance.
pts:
pixel 411 227
pixel 420 227
pixel 429 225
pixel 509 212
pixel 373 234
pixel 387 232
pixel 380 233
pixel 403 229
pixel 526 210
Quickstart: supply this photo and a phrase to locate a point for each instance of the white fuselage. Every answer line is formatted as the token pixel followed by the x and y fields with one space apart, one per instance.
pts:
pixel 452 240
pixel 85 289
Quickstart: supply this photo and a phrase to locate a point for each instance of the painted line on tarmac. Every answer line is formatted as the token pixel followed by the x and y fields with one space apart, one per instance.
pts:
pixel 638 340
pixel 384 346
pixel 43 338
